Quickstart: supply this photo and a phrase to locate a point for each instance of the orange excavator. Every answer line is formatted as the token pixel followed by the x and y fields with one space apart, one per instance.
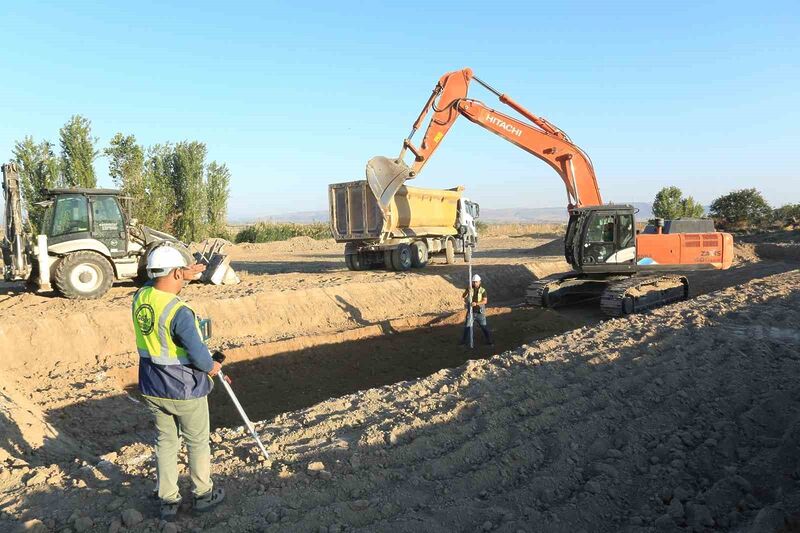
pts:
pixel 629 271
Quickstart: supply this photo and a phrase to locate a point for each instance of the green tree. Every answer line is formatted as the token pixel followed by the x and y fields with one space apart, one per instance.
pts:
pixel 188 163
pixel 218 179
pixel 156 207
pixel 670 204
pixel 39 171
pixel 126 168
pixel 78 153
pixel 741 208
pixel 788 214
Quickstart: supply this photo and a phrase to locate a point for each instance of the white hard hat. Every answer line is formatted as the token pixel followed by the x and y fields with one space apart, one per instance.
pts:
pixel 476 278
pixel 163 260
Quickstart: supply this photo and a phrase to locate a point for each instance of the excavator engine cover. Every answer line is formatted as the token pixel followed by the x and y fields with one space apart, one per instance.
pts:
pixel 385 176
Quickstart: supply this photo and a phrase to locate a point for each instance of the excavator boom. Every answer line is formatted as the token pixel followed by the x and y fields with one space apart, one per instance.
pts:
pixel 535 135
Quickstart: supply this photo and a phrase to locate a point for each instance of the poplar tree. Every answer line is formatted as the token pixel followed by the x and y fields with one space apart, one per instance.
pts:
pixel 218 179
pixel 78 153
pixel 188 162
pixel 39 171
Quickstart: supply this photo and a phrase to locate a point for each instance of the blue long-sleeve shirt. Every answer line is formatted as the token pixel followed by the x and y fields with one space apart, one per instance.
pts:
pixel 180 382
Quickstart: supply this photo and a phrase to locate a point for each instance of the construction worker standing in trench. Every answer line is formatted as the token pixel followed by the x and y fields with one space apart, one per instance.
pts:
pixel 175 371
pixel 476 297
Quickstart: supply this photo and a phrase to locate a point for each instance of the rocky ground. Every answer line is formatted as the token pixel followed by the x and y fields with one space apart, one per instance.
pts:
pixel 677 420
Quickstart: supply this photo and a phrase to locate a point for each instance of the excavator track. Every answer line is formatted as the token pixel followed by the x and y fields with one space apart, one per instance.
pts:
pixel 559 290
pixel 638 294
pixel 538 291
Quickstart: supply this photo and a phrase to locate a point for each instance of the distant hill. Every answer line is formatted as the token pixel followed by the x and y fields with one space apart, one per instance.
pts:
pixel 498 216
pixel 546 214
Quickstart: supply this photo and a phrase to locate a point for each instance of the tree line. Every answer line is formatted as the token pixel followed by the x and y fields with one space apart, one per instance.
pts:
pixel 172 187
pixel 742 209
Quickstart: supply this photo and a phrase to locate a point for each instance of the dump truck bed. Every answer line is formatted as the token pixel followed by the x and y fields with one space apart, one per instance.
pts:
pixel 413 212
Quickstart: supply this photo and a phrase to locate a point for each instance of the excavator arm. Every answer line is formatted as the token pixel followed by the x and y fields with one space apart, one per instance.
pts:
pixel 538 137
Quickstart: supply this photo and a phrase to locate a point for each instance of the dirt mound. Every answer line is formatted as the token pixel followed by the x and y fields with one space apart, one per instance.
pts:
pixel 686 417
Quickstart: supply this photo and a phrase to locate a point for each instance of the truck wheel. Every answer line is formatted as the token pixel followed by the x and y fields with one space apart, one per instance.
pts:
pixel 467 254
pixel 401 257
pixel 359 261
pixel 83 275
pixel 387 260
pixel 419 254
pixel 348 260
pixel 449 251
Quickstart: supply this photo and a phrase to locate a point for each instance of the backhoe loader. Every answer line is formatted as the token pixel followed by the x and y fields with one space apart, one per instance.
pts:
pixel 611 261
pixel 86 242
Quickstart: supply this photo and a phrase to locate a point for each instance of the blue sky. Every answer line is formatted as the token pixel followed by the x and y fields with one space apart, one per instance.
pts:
pixel 296 95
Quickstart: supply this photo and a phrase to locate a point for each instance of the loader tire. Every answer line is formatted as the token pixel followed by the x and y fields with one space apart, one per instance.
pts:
pixel 402 257
pixel 449 251
pixel 83 276
pixel 419 254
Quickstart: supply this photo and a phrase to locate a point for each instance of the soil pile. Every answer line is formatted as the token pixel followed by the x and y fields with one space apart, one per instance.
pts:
pixel 685 418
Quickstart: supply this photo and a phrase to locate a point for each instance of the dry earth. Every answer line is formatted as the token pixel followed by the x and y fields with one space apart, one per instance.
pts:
pixel 680 419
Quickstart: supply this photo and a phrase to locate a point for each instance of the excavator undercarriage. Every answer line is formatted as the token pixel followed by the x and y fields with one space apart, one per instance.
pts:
pixel 618 295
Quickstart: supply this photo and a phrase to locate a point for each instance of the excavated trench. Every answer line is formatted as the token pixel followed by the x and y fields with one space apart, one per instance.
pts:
pixel 270 379
pixel 404 350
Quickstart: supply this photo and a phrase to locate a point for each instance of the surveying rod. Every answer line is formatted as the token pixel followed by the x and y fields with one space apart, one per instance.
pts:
pixel 470 316
pixel 205 328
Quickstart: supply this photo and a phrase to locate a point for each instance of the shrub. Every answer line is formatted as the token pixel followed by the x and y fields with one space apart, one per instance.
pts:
pixel 271 231
pixel 788 215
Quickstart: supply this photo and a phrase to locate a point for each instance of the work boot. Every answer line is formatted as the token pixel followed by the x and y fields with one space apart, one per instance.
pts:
pixel 169 510
pixel 208 501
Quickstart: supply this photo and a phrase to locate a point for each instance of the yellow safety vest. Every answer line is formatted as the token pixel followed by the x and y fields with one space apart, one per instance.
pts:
pixel 477 295
pixel 153 311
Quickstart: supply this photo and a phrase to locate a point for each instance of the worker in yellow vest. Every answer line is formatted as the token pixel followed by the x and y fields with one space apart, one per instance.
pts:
pixel 175 371
pixel 476 298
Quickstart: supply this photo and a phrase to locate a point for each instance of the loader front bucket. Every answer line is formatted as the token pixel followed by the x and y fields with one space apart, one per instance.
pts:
pixel 218 265
pixel 385 176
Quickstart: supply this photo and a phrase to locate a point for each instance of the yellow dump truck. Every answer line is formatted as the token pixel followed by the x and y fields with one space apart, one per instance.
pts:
pixel 416 224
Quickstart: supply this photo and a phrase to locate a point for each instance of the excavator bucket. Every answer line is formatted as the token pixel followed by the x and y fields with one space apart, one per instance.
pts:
pixel 385 176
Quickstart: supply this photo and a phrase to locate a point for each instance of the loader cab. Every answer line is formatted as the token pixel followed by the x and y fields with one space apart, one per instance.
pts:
pixel 601 239
pixel 78 214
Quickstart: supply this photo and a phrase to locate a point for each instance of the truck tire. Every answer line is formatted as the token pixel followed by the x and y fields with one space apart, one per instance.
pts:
pixel 387 260
pixel 348 260
pixel 359 261
pixel 401 257
pixel 450 251
pixel 467 254
pixel 419 254
pixel 83 275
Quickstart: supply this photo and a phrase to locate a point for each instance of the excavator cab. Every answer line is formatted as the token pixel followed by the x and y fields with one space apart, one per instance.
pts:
pixel 601 239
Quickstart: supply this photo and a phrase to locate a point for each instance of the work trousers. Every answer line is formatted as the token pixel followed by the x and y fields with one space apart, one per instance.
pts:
pixel 175 419
pixel 480 318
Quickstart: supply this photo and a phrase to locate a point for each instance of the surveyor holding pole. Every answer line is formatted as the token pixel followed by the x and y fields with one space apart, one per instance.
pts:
pixel 475 299
pixel 175 371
